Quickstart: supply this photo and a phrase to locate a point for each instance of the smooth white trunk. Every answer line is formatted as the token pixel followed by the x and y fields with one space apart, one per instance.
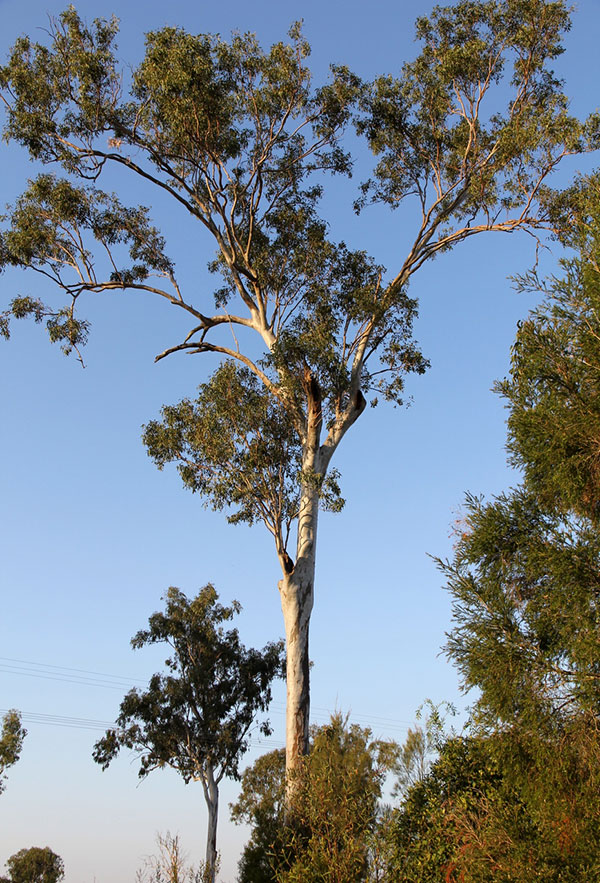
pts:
pixel 297 599
pixel 211 792
pixel 297 585
pixel 296 603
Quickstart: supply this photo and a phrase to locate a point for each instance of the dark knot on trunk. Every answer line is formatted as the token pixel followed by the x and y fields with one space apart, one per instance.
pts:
pixel 288 564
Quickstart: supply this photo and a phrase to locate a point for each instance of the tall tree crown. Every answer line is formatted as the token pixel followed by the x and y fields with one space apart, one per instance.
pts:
pixel 239 137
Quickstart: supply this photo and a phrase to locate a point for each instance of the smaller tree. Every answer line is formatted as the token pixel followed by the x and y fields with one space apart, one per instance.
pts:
pixel 525 586
pixel 169 865
pixel 332 815
pixel 197 718
pixel 261 804
pixel 422 745
pixel 35 865
pixel 11 742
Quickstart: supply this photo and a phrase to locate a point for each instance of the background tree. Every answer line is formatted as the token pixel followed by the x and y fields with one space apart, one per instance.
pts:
pixel 11 742
pixel 35 865
pixel 239 139
pixel 525 587
pixel 333 813
pixel 421 746
pixel 261 804
pixel 169 865
pixel 197 718
pixel 525 574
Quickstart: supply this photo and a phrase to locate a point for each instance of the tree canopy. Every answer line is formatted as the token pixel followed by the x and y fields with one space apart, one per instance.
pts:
pixel 35 865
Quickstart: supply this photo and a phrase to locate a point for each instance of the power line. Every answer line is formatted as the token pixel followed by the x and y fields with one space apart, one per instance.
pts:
pixel 84 723
pixel 91 678
pixel 64 673
pixel 81 723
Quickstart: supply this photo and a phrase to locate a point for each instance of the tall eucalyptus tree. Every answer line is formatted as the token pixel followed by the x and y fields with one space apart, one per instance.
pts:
pixel 239 139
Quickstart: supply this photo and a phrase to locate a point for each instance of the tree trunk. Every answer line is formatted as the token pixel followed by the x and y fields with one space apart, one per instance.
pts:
pixel 297 598
pixel 211 792
pixel 297 585
pixel 297 593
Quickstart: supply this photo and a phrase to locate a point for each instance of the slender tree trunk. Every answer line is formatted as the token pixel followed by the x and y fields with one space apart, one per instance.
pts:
pixel 297 585
pixel 297 597
pixel 211 792
pixel 297 588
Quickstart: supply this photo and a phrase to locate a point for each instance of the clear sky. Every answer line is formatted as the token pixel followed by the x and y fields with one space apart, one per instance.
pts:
pixel 92 534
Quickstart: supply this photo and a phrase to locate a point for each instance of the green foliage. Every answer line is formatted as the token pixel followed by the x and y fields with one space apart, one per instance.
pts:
pixel 236 446
pixel 44 228
pixel 554 390
pixel 199 715
pixel 421 746
pixel 334 809
pixel 431 131
pixel 505 807
pixel 525 584
pixel 11 743
pixel 419 839
pixel 261 804
pixel 35 865
pixel 326 833
pixel 525 571
pixel 519 799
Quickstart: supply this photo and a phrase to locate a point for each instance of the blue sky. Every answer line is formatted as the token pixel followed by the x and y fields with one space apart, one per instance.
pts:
pixel 93 534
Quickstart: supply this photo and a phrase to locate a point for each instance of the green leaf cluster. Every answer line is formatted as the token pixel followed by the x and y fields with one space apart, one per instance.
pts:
pixel 200 713
pixel 525 587
pixel 553 391
pixel 235 445
pixel 432 127
pixel 35 865
pixel 11 743
pixel 419 840
pixel 326 832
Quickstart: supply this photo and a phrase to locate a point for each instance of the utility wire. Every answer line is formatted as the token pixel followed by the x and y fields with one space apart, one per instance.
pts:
pixel 84 723
pixel 63 673
pixel 90 678
pixel 81 723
